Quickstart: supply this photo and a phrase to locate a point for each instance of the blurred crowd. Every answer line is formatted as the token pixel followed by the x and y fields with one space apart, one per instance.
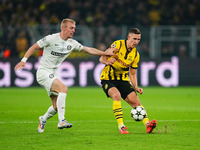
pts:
pixel 16 14
pixel 100 12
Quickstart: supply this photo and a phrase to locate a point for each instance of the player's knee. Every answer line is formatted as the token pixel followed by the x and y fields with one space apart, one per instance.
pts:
pixel 55 108
pixel 116 96
pixel 64 89
pixel 138 103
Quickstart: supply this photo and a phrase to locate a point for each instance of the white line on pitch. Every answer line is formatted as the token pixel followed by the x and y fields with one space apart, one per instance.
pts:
pixel 30 122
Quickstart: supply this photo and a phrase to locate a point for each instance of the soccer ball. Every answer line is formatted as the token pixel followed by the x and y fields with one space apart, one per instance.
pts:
pixel 138 113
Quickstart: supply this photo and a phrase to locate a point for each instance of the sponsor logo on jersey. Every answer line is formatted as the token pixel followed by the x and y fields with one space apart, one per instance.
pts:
pixel 123 63
pixel 58 54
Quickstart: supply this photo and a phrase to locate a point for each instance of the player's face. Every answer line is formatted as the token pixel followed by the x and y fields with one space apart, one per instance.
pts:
pixel 133 40
pixel 69 29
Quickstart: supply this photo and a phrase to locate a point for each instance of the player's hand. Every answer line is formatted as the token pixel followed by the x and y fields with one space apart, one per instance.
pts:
pixel 20 65
pixel 111 51
pixel 111 61
pixel 139 90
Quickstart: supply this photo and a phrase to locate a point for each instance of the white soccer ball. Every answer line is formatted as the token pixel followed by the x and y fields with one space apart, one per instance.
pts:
pixel 138 113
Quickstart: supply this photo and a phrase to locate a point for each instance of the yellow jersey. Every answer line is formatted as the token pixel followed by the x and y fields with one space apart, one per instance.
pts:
pixel 120 68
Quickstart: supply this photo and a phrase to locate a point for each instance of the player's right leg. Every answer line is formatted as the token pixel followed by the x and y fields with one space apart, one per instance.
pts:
pixel 41 125
pixel 117 109
pixel 45 78
pixel 110 89
pixel 42 119
pixel 61 89
pixel 123 130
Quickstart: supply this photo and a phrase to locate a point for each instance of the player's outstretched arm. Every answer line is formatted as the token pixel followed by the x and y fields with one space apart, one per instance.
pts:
pixel 104 60
pixel 94 51
pixel 29 52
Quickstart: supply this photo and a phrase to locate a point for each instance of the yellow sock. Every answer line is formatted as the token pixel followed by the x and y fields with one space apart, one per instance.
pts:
pixel 146 119
pixel 117 109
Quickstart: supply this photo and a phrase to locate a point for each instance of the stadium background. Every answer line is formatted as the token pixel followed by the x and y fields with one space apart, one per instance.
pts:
pixel 170 45
pixel 170 57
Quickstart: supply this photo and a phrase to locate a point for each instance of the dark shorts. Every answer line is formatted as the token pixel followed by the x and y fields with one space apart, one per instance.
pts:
pixel 124 87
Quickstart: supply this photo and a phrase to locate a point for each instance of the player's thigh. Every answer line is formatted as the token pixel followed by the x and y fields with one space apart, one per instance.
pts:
pixel 58 86
pixel 45 78
pixel 125 88
pixel 110 89
pixel 114 93
pixel 133 99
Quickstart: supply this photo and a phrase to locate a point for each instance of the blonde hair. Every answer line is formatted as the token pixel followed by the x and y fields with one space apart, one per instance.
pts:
pixel 65 21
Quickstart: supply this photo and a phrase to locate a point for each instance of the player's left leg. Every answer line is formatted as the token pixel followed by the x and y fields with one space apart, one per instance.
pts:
pixel 133 100
pixel 62 90
pixel 151 125
pixel 61 111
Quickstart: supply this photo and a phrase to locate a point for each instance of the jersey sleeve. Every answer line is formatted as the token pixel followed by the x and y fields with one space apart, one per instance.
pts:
pixel 78 46
pixel 45 41
pixel 134 64
pixel 115 44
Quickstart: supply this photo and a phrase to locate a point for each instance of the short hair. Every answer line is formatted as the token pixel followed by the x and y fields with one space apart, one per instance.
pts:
pixel 65 21
pixel 134 30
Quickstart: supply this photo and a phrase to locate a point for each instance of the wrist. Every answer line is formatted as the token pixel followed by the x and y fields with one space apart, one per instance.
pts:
pixel 24 59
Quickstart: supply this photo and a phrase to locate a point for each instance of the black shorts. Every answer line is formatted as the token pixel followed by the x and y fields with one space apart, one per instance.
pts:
pixel 124 87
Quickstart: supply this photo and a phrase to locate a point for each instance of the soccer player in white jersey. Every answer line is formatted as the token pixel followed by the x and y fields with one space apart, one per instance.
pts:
pixel 56 49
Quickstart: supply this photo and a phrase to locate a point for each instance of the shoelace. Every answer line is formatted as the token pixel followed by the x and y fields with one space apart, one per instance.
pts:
pixel 123 129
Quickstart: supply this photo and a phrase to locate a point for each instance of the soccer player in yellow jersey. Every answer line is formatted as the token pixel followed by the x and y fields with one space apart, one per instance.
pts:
pixel 117 74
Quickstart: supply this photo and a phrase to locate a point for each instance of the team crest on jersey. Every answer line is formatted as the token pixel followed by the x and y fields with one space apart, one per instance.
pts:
pixel 130 58
pixel 69 47
pixel 51 76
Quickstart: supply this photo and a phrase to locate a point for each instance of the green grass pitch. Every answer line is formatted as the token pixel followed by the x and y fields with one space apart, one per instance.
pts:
pixel 177 111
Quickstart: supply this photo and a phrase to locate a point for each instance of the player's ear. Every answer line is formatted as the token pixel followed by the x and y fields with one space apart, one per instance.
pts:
pixel 128 36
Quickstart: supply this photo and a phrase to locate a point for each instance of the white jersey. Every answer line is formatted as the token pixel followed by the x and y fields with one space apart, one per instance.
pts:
pixel 56 50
